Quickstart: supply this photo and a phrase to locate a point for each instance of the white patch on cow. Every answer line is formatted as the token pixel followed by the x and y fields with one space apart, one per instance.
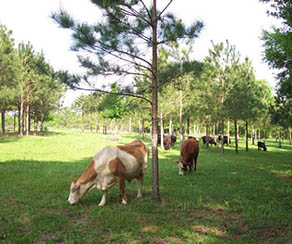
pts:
pixel 180 168
pixel 105 179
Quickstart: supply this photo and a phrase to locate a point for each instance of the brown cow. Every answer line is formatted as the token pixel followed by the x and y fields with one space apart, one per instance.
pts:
pixel 189 155
pixel 111 165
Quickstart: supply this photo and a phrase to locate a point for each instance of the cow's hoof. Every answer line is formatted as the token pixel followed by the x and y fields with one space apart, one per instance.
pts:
pixel 124 202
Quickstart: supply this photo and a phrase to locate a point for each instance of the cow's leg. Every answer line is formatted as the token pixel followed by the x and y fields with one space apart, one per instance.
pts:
pixel 195 161
pixel 103 198
pixel 122 183
pixel 190 167
pixel 140 183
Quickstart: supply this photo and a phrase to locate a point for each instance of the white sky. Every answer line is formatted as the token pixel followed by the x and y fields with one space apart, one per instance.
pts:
pixel 239 21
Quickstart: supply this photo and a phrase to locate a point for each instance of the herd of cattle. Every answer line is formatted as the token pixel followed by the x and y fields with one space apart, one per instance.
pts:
pixel 118 164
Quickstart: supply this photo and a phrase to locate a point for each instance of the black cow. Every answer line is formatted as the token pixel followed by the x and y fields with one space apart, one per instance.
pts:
pixel 208 140
pixel 166 141
pixel 262 145
pixel 173 140
pixel 225 139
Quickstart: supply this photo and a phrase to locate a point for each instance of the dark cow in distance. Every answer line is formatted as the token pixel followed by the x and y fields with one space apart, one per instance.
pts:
pixel 173 140
pixel 225 139
pixel 189 155
pixel 262 145
pixel 166 141
pixel 208 140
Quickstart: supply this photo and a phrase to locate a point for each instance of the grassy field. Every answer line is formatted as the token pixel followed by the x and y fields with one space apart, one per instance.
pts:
pixel 232 198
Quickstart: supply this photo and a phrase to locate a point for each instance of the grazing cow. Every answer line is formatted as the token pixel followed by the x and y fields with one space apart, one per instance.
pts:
pixel 166 141
pixel 225 139
pixel 208 140
pixel 111 165
pixel 173 140
pixel 189 155
pixel 261 145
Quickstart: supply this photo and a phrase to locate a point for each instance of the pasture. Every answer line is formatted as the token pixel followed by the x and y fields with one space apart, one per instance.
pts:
pixel 232 198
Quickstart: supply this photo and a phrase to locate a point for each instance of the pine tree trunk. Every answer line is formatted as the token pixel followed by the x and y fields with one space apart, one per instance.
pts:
pixel 188 126
pixel 181 129
pixel 3 121
pixel 228 132
pixel 143 129
pixel 252 135
pixel 236 136
pixel 35 123
pixel 161 131
pixel 246 135
pixel 96 124
pixel 222 141
pixel 130 125
pixel 155 168
pixel 27 123
pixel 42 121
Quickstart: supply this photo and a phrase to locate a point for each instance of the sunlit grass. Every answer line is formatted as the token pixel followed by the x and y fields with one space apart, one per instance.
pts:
pixel 232 198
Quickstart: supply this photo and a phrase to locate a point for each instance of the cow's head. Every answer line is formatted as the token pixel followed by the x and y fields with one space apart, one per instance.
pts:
pixel 182 166
pixel 76 192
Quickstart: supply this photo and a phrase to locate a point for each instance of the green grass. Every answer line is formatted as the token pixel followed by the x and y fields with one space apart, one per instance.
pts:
pixel 232 198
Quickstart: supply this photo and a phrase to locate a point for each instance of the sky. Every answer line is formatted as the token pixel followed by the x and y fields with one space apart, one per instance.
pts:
pixel 239 21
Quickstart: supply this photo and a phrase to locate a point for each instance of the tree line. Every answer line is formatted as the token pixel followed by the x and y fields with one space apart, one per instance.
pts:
pixel 219 94
pixel 29 86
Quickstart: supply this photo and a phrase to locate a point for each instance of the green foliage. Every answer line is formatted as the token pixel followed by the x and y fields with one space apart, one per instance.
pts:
pixel 202 207
pixel 8 69
pixel 122 39
pixel 277 43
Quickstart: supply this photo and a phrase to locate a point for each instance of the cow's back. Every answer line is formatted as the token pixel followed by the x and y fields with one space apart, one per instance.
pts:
pixel 190 149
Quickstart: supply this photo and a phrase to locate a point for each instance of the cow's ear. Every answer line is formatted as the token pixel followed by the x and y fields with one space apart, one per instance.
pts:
pixel 176 161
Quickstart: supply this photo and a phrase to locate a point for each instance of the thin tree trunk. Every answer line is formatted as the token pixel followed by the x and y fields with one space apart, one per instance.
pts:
pixel 161 131
pixel 280 139
pixel 130 125
pixel 42 121
pixel 96 124
pixel 207 129
pixel 222 141
pixel 181 129
pixel 14 122
pixel 155 168
pixel 35 124
pixel 252 135
pixel 188 126
pixel 27 111
pixel 143 129
pixel 235 136
pixel 3 121
pixel 82 121
pixel 170 127
pixel 290 136
pixel 228 132
pixel 246 135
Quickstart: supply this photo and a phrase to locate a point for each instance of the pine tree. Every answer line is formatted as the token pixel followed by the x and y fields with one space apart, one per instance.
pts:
pixel 120 45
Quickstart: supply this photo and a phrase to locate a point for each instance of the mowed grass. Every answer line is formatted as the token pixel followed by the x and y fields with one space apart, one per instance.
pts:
pixel 232 198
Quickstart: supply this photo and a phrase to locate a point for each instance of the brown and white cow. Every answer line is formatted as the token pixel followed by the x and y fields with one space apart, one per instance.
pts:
pixel 111 165
pixel 189 155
